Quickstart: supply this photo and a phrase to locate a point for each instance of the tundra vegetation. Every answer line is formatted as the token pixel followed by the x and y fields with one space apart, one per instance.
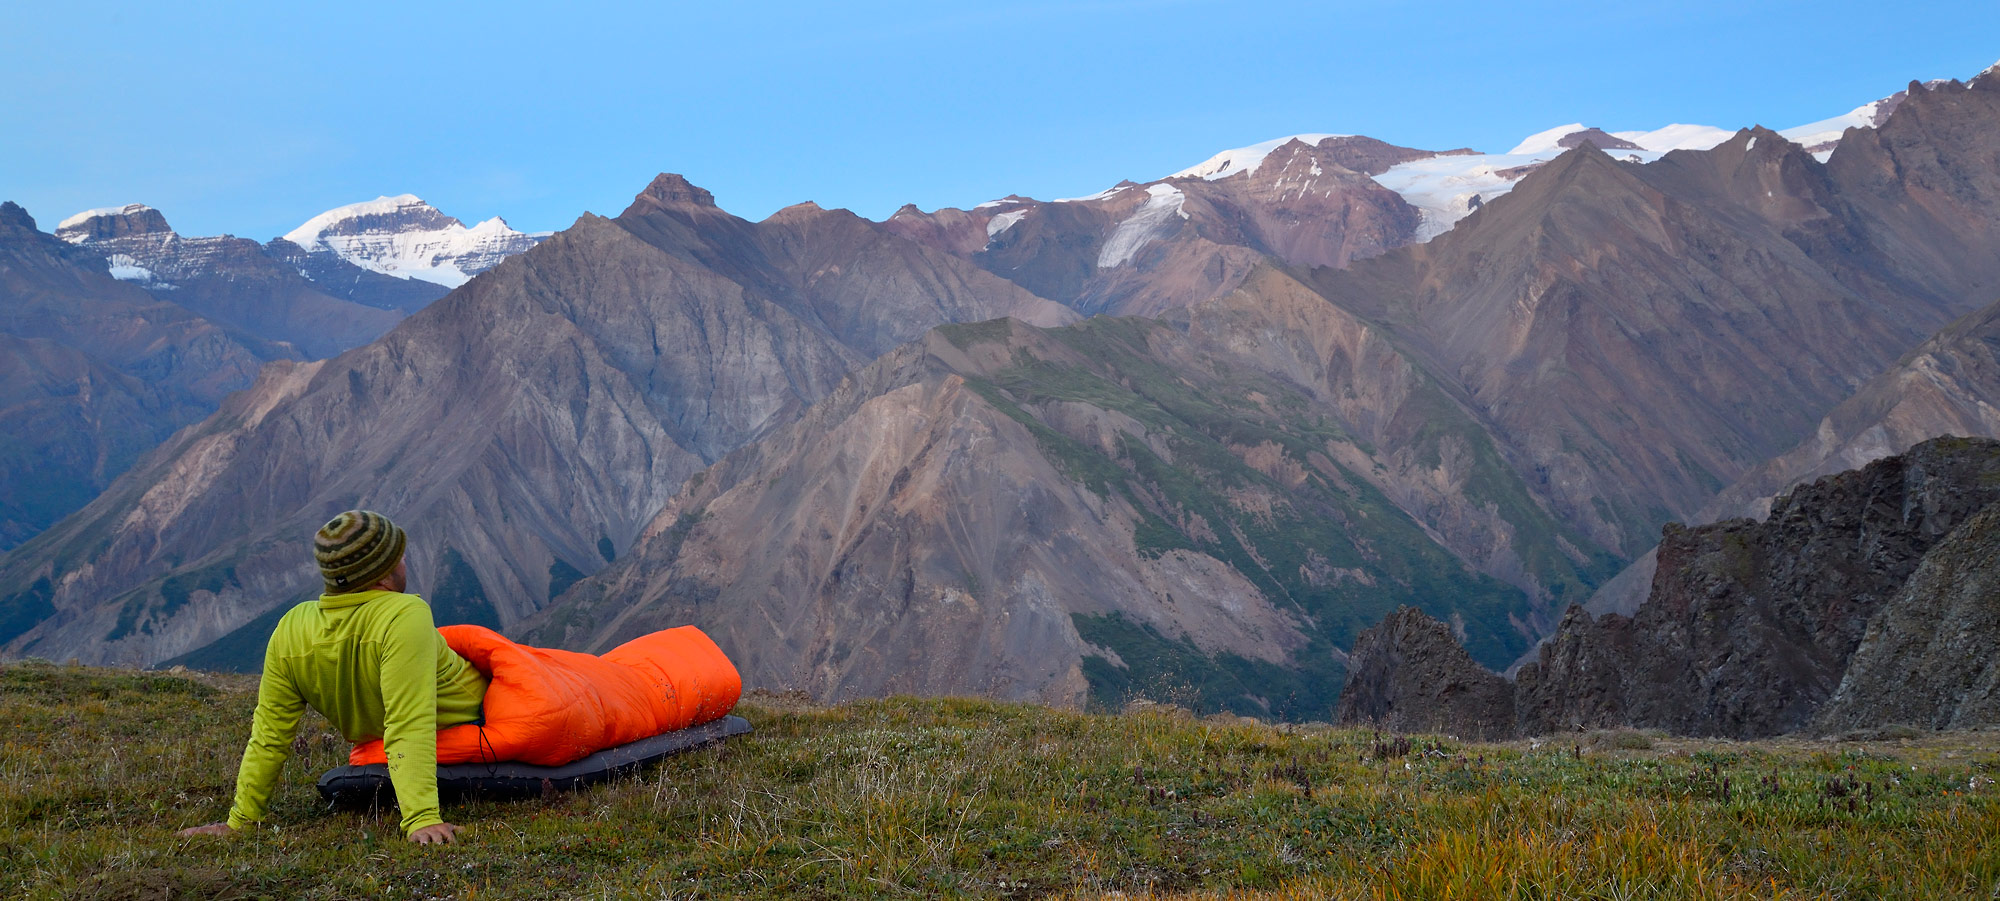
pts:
pixel 957 797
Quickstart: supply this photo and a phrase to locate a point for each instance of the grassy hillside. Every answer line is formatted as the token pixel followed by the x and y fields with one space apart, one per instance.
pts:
pixel 960 797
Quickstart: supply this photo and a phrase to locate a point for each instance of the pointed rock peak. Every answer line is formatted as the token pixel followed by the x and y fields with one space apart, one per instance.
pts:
pixel 671 189
pixel 1597 137
pixel 13 216
pixel 1571 136
pixel 113 222
pixel 1766 140
pixel 798 212
pixel 908 209
pixel 1553 178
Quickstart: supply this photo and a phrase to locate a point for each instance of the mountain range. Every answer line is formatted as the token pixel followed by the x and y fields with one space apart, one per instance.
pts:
pixel 1326 377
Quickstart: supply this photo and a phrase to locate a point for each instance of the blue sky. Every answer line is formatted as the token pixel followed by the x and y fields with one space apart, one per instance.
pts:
pixel 249 118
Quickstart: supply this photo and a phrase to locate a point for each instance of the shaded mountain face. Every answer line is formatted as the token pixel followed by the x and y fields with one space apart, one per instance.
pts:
pixel 1148 249
pixel 1949 385
pixel 1096 512
pixel 1641 336
pixel 522 430
pixel 93 373
pixel 264 291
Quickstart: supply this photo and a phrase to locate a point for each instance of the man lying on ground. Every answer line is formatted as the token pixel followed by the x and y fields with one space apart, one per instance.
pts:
pixel 367 657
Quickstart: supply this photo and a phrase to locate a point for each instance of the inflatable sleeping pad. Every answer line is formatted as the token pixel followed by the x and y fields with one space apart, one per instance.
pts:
pixel 562 719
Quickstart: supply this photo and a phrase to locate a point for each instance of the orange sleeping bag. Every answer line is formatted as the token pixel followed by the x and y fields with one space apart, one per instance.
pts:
pixel 549 707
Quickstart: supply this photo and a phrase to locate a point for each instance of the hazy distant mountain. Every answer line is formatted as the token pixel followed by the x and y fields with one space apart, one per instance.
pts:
pixel 241 283
pixel 1147 249
pixel 93 373
pixel 523 429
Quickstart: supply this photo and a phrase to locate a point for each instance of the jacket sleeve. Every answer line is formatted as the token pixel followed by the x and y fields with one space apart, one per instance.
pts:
pixel 409 714
pixel 272 726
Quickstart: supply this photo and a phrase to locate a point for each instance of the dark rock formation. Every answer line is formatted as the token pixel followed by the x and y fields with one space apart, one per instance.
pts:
pixel 1931 655
pixel 1751 626
pixel 1409 674
pixel 1596 137
pixel 1578 678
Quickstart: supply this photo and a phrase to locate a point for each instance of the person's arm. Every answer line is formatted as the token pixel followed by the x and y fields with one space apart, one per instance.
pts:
pixel 409 715
pixel 272 726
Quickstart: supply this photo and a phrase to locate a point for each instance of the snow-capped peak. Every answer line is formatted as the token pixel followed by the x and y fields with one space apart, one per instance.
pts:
pixel 405 237
pixel 1246 159
pixel 88 215
pixel 1152 220
pixel 1544 141
pixel 1678 136
pixel 383 214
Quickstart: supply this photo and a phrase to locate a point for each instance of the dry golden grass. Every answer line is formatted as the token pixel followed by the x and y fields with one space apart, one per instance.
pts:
pixel 930 798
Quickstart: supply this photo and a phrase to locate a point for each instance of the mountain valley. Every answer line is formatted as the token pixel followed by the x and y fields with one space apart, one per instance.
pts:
pixel 1183 440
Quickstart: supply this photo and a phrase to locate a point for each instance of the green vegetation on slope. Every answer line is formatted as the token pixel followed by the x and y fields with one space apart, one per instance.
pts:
pixel 1328 545
pixel 961 798
pixel 24 610
pixel 459 596
pixel 1174 671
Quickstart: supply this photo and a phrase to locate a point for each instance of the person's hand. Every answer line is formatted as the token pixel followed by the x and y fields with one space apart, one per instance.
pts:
pixel 210 829
pixel 437 834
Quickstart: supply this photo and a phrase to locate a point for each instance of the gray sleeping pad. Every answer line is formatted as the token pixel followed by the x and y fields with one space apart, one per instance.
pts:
pixel 348 786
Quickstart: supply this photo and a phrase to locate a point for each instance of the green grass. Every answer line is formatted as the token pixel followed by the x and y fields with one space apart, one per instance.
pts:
pixel 966 798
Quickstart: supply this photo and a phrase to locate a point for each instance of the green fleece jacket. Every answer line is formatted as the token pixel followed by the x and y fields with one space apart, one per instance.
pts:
pixel 373 664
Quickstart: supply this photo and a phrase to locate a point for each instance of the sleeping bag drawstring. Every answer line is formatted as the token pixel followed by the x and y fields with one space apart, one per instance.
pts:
pixel 486 750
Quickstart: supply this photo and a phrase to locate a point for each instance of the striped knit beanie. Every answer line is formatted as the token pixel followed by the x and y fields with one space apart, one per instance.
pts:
pixel 356 550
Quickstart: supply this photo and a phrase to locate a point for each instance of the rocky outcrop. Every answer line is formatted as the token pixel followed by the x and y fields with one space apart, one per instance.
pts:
pixel 1579 678
pixel 1931 655
pixel 1409 674
pixel 1750 625
pixel 1878 582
